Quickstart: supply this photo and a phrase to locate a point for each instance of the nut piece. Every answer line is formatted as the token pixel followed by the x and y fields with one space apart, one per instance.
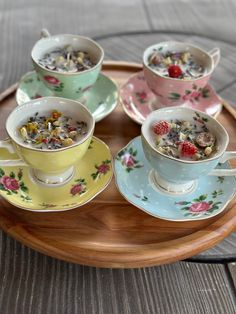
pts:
pixel 67 142
pixel 186 124
pixel 161 150
pixel 56 123
pixel 182 136
pixel 208 151
pixel 155 59
pixel 81 55
pixel 56 131
pixel 23 132
pixel 167 61
pixel 197 156
pixel 72 134
pixel 60 60
pixel 80 60
pixel 185 56
pixel 205 139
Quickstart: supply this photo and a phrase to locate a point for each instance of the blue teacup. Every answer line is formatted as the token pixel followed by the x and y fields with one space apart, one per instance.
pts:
pixel 179 176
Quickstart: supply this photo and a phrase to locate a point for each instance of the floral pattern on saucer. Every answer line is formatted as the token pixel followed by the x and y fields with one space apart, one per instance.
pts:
pixel 17 187
pixel 101 169
pixel 101 98
pixel 128 159
pixel 210 197
pixel 202 205
pixel 14 184
pixel 139 101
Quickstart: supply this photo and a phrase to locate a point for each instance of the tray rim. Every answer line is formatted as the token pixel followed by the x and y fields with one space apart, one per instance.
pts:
pixel 142 255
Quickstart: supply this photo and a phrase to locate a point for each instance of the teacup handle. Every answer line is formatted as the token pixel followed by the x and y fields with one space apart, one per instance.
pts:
pixel 225 172
pixel 10 162
pixel 44 33
pixel 215 54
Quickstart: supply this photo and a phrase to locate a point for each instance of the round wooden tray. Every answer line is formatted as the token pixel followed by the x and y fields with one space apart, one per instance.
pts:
pixel 108 231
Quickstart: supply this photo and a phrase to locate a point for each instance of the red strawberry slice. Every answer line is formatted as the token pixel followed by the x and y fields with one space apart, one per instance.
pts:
pixel 161 128
pixel 174 71
pixel 187 149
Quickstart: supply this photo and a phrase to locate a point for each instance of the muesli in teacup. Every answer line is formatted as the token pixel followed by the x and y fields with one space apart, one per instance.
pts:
pixel 177 71
pixel 183 144
pixel 49 135
pixel 67 64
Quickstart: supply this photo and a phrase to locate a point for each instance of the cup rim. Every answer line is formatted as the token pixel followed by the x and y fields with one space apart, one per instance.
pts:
pixel 216 156
pixel 50 150
pixel 177 79
pixel 66 73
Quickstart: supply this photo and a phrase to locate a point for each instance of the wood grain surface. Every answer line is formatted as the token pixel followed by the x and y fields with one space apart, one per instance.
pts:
pixel 34 283
pixel 108 231
pixel 130 48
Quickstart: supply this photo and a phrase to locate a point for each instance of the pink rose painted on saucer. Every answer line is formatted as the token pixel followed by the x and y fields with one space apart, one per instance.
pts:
pixel 204 205
pixel 79 187
pixel 199 207
pixel 101 169
pixel 76 189
pixel 10 183
pixel 128 160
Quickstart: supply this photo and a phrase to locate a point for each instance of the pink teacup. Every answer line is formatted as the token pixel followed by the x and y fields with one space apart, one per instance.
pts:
pixel 174 91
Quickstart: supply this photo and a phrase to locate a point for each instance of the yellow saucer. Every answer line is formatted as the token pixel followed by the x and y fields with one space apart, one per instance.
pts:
pixel 92 174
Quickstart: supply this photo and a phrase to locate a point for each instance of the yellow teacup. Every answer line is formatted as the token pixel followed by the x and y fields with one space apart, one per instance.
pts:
pixel 51 167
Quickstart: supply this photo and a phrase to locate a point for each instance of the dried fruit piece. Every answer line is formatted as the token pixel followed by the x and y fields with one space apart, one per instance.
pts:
pixel 155 59
pixel 190 67
pixel 161 128
pixel 56 114
pixel 53 131
pixel 205 139
pixel 187 149
pixel 174 71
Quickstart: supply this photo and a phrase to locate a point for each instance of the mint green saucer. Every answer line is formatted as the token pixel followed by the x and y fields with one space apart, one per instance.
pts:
pixel 101 99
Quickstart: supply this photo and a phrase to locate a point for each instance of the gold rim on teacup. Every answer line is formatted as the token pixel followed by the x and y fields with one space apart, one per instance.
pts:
pixel 178 176
pixel 45 35
pixel 50 167
pixel 213 57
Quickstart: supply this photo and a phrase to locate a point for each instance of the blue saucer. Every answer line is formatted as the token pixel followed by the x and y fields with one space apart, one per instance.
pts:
pixel 210 197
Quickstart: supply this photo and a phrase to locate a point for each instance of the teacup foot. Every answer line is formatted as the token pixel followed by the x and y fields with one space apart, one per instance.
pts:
pixel 161 185
pixel 49 180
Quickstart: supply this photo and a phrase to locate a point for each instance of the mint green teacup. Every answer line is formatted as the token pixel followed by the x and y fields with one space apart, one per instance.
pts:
pixel 64 84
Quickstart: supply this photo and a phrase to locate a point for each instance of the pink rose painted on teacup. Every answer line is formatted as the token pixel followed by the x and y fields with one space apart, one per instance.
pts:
pixel 51 79
pixel 173 90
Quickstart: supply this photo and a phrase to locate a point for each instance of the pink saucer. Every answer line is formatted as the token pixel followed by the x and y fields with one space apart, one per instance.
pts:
pixel 138 100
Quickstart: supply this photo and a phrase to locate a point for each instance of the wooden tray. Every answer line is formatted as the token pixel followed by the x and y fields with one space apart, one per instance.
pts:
pixel 108 231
